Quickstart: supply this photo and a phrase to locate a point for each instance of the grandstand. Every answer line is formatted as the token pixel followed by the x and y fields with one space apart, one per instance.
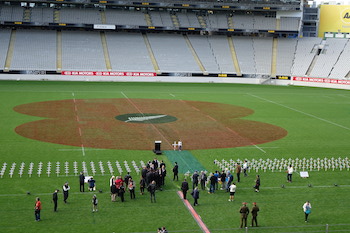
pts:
pixel 239 40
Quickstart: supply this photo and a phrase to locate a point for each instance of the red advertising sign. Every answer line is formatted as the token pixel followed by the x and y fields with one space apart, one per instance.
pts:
pixel 322 80
pixel 108 73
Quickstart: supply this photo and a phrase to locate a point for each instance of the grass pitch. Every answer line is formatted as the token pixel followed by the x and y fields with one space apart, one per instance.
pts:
pixel 317 121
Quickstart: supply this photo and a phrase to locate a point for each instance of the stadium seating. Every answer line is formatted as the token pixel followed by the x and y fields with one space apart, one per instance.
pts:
pixel 82 51
pixel 285 55
pixel 328 57
pixel 342 68
pixel 36 56
pixel 5 39
pixel 205 52
pixel 127 52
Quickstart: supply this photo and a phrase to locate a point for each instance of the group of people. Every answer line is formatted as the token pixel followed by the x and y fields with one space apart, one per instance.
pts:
pixel 244 211
pixel 37 206
pixel 217 180
pixel 153 178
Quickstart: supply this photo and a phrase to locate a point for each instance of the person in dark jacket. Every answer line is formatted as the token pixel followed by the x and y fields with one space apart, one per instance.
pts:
pixel 257 184
pixel 184 188
pixel 195 195
pixel 176 172
pixel 244 211
pixel 55 199
pixel 81 181
pixel 195 178
pixel 255 211
pixel 152 190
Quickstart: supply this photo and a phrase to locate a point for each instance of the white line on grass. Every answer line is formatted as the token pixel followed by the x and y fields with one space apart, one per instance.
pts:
pixel 77 118
pixel 79 149
pixel 172 190
pixel 133 104
pixel 172 95
pixel 296 110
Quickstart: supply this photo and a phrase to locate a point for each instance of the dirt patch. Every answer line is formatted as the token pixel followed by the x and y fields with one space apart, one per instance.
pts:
pixel 92 123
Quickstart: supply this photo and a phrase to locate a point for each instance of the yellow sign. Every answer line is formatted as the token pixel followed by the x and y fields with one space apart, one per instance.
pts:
pixel 222 75
pixel 334 18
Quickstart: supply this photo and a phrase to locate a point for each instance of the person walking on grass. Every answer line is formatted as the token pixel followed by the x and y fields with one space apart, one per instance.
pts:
pixel 65 189
pixel 232 191
pixel 184 188
pixel 195 195
pixel 37 209
pixel 94 203
pixel 307 210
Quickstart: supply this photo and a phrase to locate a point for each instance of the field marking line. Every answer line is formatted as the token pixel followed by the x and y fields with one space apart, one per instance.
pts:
pixel 91 149
pixel 344 96
pixel 79 129
pixel 194 214
pixel 299 111
pixel 172 190
pixel 133 104
pixel 83 149
pixel 231 130
pixel 257 147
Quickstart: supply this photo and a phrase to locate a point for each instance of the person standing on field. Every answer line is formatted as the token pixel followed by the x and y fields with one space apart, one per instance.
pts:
pixel 244 211
pixel 37 209
pixel 232 191
pixel 255 211
pixel 257 184
pixel 245 167
pixel 82 181
pixel 152 190
pixel 238 172
pixel 94 203
pixel 66 189
pixel 55 199
pixel 290 173
pixel 176 172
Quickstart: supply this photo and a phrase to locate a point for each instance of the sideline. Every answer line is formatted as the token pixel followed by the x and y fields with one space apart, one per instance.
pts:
pixel 296 110
pixel 194 213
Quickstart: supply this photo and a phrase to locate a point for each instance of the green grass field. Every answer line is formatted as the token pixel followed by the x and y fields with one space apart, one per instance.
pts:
pixel 318 125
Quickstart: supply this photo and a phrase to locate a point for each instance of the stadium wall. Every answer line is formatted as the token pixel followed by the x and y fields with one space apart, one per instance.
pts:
pixel 295 81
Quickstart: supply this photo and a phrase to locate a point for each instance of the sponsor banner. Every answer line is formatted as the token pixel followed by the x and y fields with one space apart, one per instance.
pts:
pixel 334 18
pixel 108 73
pixel 105 26
pixel 283 77
pixel 322 80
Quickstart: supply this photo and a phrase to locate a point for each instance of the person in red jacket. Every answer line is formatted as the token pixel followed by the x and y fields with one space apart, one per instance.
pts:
pixel 37 209
pixel 118 183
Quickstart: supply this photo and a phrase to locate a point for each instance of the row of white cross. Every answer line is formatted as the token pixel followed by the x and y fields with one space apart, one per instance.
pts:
pixel 66 168
pixel 304 164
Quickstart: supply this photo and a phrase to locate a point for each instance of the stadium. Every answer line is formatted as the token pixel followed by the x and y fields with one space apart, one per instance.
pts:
pixel 104 88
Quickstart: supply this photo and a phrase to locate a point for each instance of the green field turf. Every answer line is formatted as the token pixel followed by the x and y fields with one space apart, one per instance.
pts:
pixel 318 125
